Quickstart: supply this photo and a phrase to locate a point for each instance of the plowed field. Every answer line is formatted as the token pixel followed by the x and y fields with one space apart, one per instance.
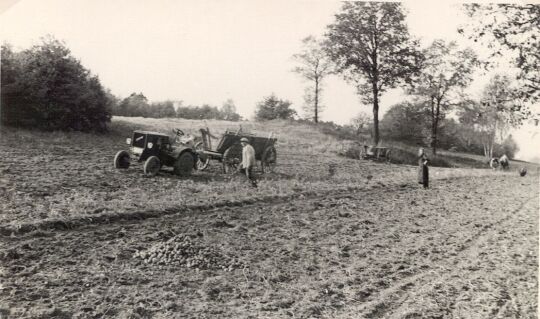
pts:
pixel 365 242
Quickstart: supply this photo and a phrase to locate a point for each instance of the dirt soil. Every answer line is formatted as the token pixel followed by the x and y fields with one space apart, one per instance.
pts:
pixel 59 179
pixel 466 248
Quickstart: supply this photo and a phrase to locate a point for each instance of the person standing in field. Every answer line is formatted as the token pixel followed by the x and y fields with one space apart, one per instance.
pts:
pixel 423 173
pixel 505 163
pixel 248 160
pixel 494 163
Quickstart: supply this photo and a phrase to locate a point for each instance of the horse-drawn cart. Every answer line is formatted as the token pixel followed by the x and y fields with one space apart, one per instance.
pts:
pixel 229 150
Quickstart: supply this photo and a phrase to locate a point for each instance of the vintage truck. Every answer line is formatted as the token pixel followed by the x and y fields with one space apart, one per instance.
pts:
pixel 156 150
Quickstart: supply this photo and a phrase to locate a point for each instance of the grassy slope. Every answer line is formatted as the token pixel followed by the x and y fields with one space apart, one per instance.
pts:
pixel 61 176
pixel 307 136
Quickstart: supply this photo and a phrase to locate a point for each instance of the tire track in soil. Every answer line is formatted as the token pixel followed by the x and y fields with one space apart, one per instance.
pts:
pixel 387 301
pixel 108 218
pixel 101 235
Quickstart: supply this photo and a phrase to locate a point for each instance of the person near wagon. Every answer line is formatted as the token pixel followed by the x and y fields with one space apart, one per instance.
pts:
pixel 494 163
pixel 248 160
pixel 423 173
pixel 505 162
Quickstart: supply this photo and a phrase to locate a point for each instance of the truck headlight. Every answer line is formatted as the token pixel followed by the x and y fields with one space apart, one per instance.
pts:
pixel 150 145
pixel 128 141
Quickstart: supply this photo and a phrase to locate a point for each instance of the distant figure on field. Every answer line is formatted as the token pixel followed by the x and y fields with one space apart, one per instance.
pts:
pixel 248 160
pixel 522 171
pixel 423 173
pixel 505 163
pixel 494 163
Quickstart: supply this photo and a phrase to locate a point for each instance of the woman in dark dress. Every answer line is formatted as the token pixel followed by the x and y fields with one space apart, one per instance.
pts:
pixel 423 173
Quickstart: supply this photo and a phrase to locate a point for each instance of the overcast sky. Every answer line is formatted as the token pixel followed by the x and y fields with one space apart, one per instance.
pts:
pixel 208 51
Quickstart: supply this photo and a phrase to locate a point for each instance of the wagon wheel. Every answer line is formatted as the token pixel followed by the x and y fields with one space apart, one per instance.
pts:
pixel 122 160
pixel 202 160
pixel 232 158
pixel 184 164
pixel 269 160
pixel 151 166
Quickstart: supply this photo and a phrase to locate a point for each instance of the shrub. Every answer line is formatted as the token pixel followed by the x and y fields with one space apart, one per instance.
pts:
pixel 350 150
pixel 47 88
pixel 340 132
pixel 134 105
pixel 406 122
pixel 508 147
pixel 272 108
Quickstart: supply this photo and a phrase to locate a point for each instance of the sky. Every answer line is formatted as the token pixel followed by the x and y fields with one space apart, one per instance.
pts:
pixel 208 51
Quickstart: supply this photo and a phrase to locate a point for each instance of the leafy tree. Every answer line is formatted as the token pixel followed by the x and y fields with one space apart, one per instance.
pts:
pixel 406 122
pixel 361 122
pixel 200 112
pixel 446 70
pixel 134 105
pixel 508 147
pixel 271 108
pixel 482 122
pixel 46 87
pixel 370 44
pixel 114 102
pixel 506 29
pixel 210 112
pixel 314 67
pixel 228 111
pixel 162 109
pixel 493 116
pixel 15 107
pixel 168 110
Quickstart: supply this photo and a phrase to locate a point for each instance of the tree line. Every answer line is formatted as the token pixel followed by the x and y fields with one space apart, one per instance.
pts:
pixel 45 87
pixel 138 105
pixel 369 46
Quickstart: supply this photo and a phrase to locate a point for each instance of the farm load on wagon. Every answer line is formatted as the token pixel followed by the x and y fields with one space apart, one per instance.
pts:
pixel 229 150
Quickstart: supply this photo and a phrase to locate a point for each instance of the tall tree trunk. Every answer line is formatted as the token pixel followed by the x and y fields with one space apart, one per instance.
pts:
pixel 375 88
pixel 492 144
pixel 435 126
pixel 375 117
pixel 316 118
pixel 432 104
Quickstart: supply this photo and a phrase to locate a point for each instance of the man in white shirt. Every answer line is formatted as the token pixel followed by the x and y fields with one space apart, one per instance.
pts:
pixel 505 163
pixel 248 160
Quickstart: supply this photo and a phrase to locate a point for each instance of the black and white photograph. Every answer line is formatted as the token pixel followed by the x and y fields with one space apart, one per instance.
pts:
pixel 311 159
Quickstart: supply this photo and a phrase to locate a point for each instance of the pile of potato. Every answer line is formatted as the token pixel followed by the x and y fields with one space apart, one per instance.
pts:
pixel 184 250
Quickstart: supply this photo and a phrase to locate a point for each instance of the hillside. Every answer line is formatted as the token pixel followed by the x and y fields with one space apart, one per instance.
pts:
pixel 67 177
pixel 324 236
pixel 308 136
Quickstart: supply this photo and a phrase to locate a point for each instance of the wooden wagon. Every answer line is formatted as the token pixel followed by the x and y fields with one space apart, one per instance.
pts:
pixel 229 150
pixel 375 152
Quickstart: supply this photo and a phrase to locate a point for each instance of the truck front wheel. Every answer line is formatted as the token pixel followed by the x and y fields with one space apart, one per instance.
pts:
pixel 122 160
pixel 151 166
pixel 183 166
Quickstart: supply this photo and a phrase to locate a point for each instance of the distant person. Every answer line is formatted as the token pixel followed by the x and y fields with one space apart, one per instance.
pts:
pixel 494 163
pixel 505 163
pixel 248 160
pixel 423 173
